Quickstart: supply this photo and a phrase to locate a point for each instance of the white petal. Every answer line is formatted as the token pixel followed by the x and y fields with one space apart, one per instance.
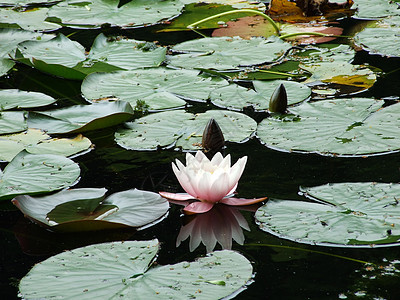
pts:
pixel 204 184
pixel 220 188
pixel 217 159
pixel 184 181
pixel 226 162
pixel 200 156
pixel 237 171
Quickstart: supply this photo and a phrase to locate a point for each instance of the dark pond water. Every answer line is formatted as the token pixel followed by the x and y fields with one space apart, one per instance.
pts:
pixel 283 269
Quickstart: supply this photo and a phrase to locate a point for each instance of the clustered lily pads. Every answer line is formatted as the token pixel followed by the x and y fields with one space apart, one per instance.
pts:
pixel 146 92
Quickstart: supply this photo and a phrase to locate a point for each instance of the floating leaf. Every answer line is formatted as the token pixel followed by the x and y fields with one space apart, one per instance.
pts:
pixel 246 27
pixel 356 127
pixel 80 118
pixel 14 98
pixel 30 19
pixel 88 209
pixel 37 142
pixel 237 97
pixel 159 88
pixel 373 10
pixel 126 53
pixel 131 14
pixel 121 269
pixel 12 121
pixel 333 66
pixel 382 39
pixel 362 214
pixel 10 38
pixel 223 53
pixel 184 129
pixel 26 2
pixel 234 3
pixel 37 173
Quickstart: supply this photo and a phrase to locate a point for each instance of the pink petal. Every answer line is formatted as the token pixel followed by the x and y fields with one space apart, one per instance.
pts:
pixel 198 207
pixel 178 197
pixel 241 201
pixel 219 188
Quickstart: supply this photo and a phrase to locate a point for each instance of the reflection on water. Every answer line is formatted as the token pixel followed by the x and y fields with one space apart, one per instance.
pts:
pixel 221 224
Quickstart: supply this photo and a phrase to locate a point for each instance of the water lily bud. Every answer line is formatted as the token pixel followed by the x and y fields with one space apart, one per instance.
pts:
pixel 213 139
pixel 278 102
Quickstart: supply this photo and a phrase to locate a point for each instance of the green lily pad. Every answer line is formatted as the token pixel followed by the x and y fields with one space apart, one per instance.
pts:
pixel 180 129
pixel 80 118
pixel 37 173
pixel 10 38
pixel 30 19
pixel 159 88
pixel 25 2
pixel 382 39
pixel 37 142
pixel 127 54
pixel 124 270
pixel 14 98
pixel 65 58
pixel 223 53
pixel 237 97
pixel 348 127
pixel 12 121
pixel 333 66
pixel 88 209
pixel 93 13
pixel 373 10
pixel 350 214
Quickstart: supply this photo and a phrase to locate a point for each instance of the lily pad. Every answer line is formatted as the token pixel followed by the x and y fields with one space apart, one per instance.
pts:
pixel 237 97
pixel 123 269
pixel 14 98
pixel 26 2
pixel 37 142
pixel 30 19
pixel 37 173
pixel 80 118
pixel 348 127
pixel 66 58
pixel 159 88
pixel 373 10
pixel 10 38
pixel 12 121
pixel 180 129
pixel 223 53
pixel 88 209
pixel 350 214
pixel 381 39
pixel 126 53
pixel 93 13
pixel 333 66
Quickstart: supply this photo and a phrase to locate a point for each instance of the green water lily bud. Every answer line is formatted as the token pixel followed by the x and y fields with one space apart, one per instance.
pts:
pixel 278 102
pixel 213 138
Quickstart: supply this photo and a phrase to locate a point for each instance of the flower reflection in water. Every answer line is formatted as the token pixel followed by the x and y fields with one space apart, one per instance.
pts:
pixel 221 224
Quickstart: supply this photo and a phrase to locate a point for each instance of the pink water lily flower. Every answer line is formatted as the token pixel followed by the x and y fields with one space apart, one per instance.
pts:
pixel 210 181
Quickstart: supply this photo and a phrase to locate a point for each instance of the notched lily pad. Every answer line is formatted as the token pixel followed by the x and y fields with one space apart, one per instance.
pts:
pixel 347 127
pixel 37 142
pixel 347 214
pixel 159 88
pixel 80 118
pixel 66 58
pixel 88 209
pixel 124 269
pixel 93 13
pixel 224 53
pixel 37 173
pixel 237 97
pixel 180 129
pixel 382 39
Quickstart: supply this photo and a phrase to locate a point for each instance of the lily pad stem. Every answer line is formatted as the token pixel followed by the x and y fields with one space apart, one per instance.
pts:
pixel 285 36
pixel 231 12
